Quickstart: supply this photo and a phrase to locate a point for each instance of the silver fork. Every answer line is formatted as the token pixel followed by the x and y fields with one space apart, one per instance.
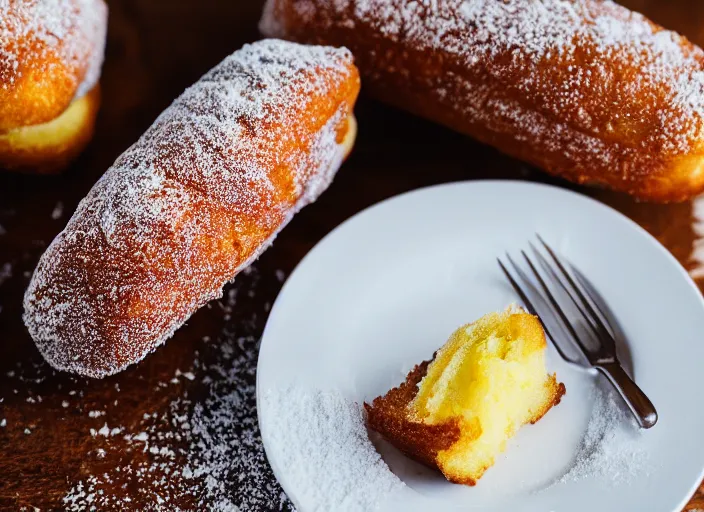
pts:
pixel 585 303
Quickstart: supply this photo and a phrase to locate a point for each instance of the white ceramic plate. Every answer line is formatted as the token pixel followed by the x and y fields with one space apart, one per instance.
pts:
pixel 386 288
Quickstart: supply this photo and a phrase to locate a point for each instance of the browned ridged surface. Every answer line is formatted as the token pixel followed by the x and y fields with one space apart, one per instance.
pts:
pixel 191 203
pixel 48 49
pixel 586 90
pixel 51 52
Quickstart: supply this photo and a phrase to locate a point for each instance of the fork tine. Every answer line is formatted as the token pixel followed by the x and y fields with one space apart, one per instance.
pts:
pixel 518 288
pixel 531 308
pixel 556 307
pixel 595 321
pixel 606 315
pixel 555 278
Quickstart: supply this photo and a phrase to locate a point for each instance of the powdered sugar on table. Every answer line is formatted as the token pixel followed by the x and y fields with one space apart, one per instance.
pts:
pixel 196 454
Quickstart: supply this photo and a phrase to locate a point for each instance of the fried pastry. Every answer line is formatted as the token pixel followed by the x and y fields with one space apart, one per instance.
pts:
pixel 194 201
pixel 51 52
pixel 585 89
pixel 456 412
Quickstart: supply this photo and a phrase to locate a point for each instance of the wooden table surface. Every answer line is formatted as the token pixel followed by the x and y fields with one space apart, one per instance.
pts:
pixel 156 49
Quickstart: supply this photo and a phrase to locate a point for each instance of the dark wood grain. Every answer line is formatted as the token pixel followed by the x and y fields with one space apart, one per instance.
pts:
pixel 156 48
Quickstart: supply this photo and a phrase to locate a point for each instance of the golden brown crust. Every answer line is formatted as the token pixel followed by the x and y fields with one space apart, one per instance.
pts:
pixel 38 96
pixel 50 54
pixel 50 147
pixel 587 90
pixel 197 198
pixel 388 415
pixel 558 393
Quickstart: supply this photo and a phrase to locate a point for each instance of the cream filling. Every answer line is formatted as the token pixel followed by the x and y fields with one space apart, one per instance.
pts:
pixel 350 137
pixel 64 127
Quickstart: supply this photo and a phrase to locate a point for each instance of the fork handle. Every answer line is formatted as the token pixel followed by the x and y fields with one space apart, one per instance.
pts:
pixel 639 404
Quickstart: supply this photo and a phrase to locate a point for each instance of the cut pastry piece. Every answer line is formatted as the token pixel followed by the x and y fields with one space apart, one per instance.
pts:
pixel 456 412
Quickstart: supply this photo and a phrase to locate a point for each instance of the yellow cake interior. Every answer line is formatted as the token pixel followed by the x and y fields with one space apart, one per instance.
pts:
pixel 491 375
pixel 48 146
pixel 350 135
pixel 457 411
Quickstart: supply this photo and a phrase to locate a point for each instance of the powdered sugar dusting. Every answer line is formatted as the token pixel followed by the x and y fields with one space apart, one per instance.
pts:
pixel 73 30
pixel 322 447
pixel 184 209
pixel 602 69
pixel 612 449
